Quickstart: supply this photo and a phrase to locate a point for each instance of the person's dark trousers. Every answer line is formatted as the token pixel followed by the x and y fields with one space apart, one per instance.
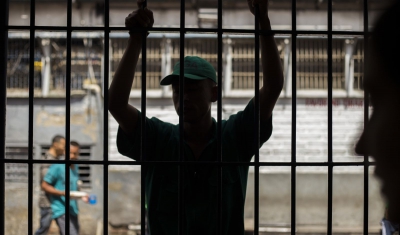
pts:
pixel 73 225
pixel 45 221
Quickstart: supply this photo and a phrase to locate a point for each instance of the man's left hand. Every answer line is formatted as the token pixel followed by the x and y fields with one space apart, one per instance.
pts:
pixel 263 6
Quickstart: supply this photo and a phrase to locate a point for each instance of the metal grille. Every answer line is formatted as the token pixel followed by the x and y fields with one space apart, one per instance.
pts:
pixel 243 65
pixel 18 65
pixel 329 84
pixel 87 62
pixel 16 172
pixel 359 62
pixel 153 63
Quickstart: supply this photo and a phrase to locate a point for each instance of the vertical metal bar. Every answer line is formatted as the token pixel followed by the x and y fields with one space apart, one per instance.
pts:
pixel 257 119
pixel 366 119
pixel 330 83
pixel 143 131
pixel 105 113
pixel 68 115
pixel 219 120
pixel 294 104
pixel 181 196
pixel 3 103
pixel 30 126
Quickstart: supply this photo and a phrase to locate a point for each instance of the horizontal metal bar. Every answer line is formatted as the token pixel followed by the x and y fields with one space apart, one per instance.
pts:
pixel 215 163
pixel 83 34
pixel 186 30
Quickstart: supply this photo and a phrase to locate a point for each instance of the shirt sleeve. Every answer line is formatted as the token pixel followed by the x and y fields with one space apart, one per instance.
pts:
pixel 242 126
pixel 52 175
pixel 130 145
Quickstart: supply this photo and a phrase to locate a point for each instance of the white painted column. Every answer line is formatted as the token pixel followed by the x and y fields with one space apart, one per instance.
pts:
pixel 165 62
pixel 350 46
pixel 46 67
pixel 287 68
pixel 227 67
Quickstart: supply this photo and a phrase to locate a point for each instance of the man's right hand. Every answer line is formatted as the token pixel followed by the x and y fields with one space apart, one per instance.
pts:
pixel 140 18
pixel 118 100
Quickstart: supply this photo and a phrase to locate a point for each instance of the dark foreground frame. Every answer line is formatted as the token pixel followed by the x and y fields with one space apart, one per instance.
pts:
pixel 5 27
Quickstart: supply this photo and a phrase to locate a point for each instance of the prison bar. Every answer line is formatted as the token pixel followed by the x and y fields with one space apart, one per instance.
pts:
pixel 294 121
pixel 68 116
pixel 30 125
pixel 256 117
pixel 105 113
pixel 3 103
pixel 366 119
pixel 143 132
pixel 172 29
pixel 178 163
pixel 181 163
pixel 181 176
pixel 219 119
pixel 330 114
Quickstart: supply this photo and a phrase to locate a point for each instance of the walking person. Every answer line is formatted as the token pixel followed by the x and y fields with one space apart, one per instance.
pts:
pixel 54 184
pixel 55 152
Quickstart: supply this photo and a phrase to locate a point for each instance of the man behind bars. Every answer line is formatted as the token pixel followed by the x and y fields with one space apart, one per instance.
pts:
pixel 200 184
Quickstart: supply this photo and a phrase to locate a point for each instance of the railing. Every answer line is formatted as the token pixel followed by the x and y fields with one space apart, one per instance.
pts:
pixel 163 53
pixel 154 57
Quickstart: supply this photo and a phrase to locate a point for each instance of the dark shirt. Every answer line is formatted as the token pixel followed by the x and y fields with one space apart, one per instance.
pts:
pixel 200 181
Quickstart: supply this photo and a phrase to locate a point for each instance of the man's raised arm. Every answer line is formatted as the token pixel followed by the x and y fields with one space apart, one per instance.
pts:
pixel 120 88
pixel 271 63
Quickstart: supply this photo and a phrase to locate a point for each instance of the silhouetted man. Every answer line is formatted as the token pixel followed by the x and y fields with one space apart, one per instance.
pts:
pixel 200 186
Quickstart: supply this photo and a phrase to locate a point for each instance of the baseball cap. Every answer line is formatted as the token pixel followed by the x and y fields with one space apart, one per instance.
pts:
pixel 195 68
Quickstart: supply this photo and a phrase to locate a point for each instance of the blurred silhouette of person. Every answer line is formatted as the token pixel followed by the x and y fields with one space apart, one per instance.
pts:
pixel 55 152
pixel 381 136
pixel 200 136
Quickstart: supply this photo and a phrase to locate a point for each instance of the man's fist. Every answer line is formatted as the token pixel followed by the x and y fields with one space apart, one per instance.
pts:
pixel 140 18
pixel 263 6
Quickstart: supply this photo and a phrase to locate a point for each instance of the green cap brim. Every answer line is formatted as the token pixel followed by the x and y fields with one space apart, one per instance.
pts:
pixel 168 80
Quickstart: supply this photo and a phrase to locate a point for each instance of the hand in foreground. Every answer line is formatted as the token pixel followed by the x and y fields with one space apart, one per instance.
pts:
pixel 140 18
pixel 263 6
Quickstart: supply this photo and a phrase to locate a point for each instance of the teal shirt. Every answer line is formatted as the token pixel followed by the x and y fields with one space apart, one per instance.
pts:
pixel 56 177
pixel 200 184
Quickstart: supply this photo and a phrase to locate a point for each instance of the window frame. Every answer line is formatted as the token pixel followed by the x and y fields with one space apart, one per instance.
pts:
pixel 5 27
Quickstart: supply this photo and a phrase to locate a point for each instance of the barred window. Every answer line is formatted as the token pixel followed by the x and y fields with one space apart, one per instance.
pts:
pixel 61 56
